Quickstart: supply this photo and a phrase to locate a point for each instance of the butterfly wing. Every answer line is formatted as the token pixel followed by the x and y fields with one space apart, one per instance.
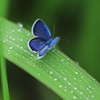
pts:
pixel 43 51
pixel 41 30
pixel 36 44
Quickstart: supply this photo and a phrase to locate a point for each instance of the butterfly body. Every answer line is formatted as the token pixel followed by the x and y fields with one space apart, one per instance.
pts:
pixel 43 40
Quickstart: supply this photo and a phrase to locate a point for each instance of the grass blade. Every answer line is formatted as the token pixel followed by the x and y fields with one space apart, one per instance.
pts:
pixel 4 76
pixel 55 70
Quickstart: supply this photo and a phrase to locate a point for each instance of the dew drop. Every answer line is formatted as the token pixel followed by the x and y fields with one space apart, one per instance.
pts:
pixel 24 68
pixel 21 47
pixel 59 66
pixel 67 58
pixel 92 95
pixel 60 86
pixel 20 24
pixel 63 73
pixel 19 30
pixel 92 87
pixel 6 36
pixel 13 39
pixel 20 39
pixel 30 57
pixel 65 70
pixel 66 62
pixel 33 65
pixel 65 90
pixel 28 34
pixel 1 29
pixel 81 87
pixel 17 45
pixel 74 97
pixel 28 62
pixel 3 40
pixel 87 98
pixel 10 37
pixel 6 40
pixel 8 51
pixel 69 83
pixel 50 77
pixel 53 50
pixel 10 47
pixel 90 91
pixel 25 50
pixel 61 70
pixel 12 30
pixel 55 79
pixel 53 65
pixel 74 83
pixel 77 63
pixel 76 72
pixel 38 73
pixel 93 79
pixel 65 86
pixel 65 78
pixel 87 88
pixel 23 57
pixel 16 54
pixel 51 72
pixel 39 68
pixel 82 76
pixel 71 91
pixel 70 75
pixel 62 59
pixel 81 92
pixel 75 88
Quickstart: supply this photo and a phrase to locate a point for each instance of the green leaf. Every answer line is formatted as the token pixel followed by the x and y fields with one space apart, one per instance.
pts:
pixel 55 70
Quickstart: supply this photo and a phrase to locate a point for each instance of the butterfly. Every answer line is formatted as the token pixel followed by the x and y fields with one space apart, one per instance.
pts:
pixel 43 40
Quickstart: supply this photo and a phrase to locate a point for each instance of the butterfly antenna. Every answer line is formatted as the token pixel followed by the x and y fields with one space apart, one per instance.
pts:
pixel 64 39
pixel 53 30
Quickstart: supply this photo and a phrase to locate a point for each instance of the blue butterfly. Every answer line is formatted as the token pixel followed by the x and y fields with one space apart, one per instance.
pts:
pixel 43 40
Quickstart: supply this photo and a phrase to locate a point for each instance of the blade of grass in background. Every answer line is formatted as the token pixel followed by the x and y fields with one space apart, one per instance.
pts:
pixel 88 46
pixel 4 4
pixel 3 75
pixel 55 70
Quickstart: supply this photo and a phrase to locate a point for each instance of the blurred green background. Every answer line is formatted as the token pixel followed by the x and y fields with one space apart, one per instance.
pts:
pixel 77 21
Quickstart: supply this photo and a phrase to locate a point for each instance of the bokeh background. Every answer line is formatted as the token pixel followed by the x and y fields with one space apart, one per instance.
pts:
pixel 77 22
